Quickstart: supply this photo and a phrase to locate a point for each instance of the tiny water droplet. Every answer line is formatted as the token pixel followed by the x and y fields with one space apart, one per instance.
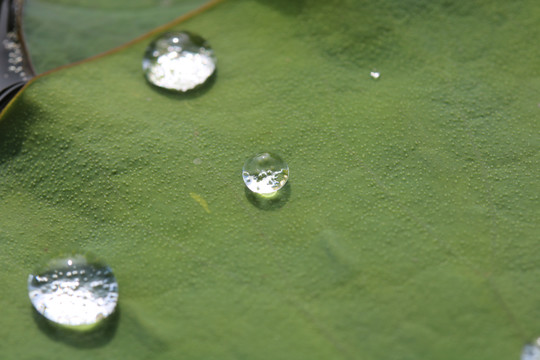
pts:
pixel 265 173
pixel 531 351
pixel 375 74
pixel 178 61
pixel 64 297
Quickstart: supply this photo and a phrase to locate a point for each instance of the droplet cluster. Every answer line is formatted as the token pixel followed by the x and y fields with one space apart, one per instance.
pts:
pixel 15 58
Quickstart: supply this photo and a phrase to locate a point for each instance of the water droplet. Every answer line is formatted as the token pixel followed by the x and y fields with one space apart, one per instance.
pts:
pixel 179 61
pixel 531 351
pixel 265 173
pixel 62 295
pixel 375 74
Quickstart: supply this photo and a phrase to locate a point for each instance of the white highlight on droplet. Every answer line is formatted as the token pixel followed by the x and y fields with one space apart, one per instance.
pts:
pixel 531 351
pixel 375 74
pixel 73 291
pixel 265 173
pixel 179 61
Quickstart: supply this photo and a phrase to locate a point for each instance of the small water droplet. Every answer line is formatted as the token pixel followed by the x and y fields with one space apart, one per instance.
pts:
pixel 265 173
pixel 178 61
pixel 531 351
pixel 375 74
pixel 72 300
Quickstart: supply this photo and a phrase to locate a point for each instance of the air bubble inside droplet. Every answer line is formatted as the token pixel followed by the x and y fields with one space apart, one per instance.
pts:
pixel 265 173
pixel 179 61
pixel 60 294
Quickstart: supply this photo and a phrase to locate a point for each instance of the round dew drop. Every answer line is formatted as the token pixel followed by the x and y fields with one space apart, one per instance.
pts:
pixel 178 61
pixel 265 173
pixel 74 291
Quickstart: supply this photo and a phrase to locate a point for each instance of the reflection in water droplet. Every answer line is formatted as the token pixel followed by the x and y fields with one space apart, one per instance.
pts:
pixel 62 295
pixel 375 74
pixel 265 173
pixel 531 352
pixel 178 61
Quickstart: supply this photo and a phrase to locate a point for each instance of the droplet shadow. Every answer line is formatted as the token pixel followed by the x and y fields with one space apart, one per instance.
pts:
pixel 269 203
pixel 190 94
pixel 14 130
pixel 97 337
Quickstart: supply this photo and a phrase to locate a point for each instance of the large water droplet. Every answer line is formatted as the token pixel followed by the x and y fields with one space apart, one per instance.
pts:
pixel 179 61
pixel 74 291
pixel 531 352
pixel 265 173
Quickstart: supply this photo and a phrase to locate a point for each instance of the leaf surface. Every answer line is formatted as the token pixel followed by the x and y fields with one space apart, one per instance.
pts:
pixel 408 229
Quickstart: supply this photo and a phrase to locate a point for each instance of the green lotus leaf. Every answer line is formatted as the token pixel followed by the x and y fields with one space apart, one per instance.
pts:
pixel 408 228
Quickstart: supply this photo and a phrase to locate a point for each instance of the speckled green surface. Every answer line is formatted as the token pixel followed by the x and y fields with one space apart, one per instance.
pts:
pixel 410 229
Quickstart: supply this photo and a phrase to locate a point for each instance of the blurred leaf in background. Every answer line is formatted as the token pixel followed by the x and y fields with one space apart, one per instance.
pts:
pixel 60 32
